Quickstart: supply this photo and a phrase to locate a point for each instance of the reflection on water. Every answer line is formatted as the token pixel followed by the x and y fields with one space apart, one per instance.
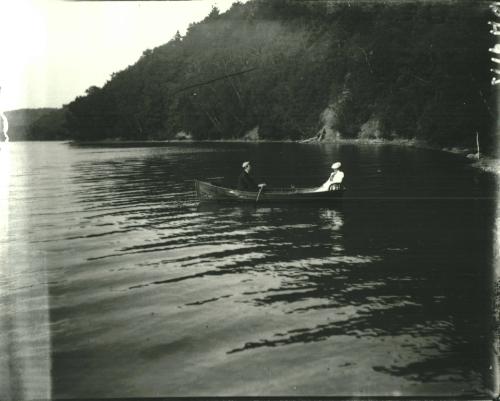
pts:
pixel 153 294
pixel 25 346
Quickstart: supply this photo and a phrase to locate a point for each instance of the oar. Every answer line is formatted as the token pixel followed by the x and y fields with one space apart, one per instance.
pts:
pixel 260 190
pixel 214 178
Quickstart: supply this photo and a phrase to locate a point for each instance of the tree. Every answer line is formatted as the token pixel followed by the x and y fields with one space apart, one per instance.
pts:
pixel 415 68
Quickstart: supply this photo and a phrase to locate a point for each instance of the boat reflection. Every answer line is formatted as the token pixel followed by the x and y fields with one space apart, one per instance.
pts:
pixel 332 218
pixel 321 205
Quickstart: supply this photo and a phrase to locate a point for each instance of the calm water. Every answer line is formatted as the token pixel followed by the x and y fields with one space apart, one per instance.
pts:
pixel 119 283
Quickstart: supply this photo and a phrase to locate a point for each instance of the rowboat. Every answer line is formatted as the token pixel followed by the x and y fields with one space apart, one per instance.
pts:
pixel 206 191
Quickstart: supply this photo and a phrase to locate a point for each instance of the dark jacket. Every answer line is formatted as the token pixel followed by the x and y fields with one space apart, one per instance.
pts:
pixel 246 182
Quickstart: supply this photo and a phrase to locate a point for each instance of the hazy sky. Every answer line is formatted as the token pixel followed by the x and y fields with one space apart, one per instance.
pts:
pixel 53 50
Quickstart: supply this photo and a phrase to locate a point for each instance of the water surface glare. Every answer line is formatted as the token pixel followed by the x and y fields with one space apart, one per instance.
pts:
pixel 118 282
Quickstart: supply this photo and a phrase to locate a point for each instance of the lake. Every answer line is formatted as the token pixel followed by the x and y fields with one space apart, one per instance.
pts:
pixel 116 282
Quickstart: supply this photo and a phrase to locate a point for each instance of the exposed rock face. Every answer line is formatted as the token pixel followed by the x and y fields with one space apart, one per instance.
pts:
pixel 327 133
pixel 370 129
pixel 329 117
pixel 252 135
pixel 182 135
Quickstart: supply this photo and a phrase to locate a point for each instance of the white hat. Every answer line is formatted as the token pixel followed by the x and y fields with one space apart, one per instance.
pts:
pixel 336 165
pixel 245 164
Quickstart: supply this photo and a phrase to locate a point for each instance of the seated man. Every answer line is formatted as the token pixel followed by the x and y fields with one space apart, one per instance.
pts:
pixel 334 181
pixel 245 180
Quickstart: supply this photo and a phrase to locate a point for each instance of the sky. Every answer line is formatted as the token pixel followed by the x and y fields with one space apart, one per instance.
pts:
pixel 53 50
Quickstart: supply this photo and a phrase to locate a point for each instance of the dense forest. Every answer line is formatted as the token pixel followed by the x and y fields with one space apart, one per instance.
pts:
pixel 288 69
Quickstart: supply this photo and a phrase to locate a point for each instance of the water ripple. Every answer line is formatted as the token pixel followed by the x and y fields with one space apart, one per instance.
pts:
pixel 388 290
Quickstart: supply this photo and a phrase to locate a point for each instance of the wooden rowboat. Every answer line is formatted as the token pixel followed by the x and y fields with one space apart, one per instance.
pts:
pixel 209 192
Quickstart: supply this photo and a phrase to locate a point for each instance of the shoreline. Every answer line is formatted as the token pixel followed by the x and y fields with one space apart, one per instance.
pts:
pixel 484 163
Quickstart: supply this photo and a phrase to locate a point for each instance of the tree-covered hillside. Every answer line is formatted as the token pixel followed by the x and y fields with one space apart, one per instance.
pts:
pixel 21 121
pixel 288 69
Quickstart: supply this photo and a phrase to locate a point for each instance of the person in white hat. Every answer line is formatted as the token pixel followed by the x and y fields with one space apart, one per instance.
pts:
pixel 245 180
pixel 334 182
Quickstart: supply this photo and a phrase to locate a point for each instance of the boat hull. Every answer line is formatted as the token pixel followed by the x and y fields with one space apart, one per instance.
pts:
pixel 209 192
